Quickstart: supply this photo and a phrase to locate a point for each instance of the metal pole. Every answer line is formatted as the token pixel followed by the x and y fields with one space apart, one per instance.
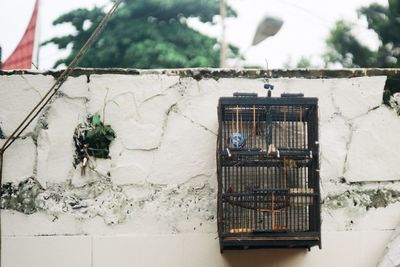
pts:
pixel 37 35
pixel 222 10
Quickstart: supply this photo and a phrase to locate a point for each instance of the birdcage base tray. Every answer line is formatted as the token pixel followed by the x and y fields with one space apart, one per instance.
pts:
pixel 279 240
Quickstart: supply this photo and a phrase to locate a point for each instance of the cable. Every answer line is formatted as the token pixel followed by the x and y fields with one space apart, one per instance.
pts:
pixel 52 91
pixel 60 80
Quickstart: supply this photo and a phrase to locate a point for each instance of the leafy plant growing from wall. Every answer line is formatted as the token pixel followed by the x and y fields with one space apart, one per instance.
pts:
pixel 92 139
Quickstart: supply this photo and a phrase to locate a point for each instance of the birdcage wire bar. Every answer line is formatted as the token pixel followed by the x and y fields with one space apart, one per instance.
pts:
pixel 268 172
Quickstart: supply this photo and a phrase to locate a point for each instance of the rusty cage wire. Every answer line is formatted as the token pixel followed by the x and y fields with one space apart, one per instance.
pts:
pixel 268 172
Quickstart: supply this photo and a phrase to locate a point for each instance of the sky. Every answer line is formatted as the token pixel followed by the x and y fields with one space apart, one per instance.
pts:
pixel 306 26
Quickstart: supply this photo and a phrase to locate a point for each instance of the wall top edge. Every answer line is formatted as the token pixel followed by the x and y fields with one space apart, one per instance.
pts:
pixel 215 73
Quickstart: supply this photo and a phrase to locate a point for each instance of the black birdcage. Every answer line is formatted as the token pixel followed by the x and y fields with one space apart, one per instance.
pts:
pixel 268 171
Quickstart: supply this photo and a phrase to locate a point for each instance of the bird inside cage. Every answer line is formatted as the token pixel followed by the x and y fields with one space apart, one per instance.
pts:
pixel 236 138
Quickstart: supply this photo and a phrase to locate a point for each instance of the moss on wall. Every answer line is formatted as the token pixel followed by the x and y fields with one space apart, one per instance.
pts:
pixel 21 197
pixel 369 198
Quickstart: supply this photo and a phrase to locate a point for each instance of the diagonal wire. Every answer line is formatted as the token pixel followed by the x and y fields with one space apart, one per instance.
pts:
pixel 60 80
pixel 52 91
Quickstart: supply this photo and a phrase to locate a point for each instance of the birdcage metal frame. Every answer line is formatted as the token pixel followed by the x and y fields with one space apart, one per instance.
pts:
pixel 268 172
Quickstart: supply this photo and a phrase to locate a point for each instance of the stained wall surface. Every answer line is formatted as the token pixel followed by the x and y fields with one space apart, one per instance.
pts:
pixel 153 203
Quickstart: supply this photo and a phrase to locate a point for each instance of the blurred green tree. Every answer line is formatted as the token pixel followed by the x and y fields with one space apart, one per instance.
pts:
pixel 144 34
pixel 346 49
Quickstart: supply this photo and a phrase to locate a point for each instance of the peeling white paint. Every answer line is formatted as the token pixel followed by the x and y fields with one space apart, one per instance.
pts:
pixel 373 153
pixel 18 95
pixel 161 177
pixel 55 146
pixel 20 161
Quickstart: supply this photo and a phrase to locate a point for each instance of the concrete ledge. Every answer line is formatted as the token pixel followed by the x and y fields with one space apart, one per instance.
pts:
pixel 213 73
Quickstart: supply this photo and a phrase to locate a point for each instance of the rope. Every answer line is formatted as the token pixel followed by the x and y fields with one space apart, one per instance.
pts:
pixel 52 91
pixel 60 80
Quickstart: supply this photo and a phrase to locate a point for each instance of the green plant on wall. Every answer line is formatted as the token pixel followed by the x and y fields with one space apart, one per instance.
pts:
pixel 92 139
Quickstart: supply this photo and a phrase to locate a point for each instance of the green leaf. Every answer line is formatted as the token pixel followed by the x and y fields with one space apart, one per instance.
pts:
pixel 109 137
pixel 90 135
pixel 96 119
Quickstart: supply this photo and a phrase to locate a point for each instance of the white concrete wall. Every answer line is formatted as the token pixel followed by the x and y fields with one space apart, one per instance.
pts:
pixel 154 202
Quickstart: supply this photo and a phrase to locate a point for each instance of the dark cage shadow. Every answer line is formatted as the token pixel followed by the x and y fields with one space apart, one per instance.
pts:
pixel 264 257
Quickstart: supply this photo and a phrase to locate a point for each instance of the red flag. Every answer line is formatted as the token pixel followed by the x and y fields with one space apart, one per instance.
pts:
pixel 21 58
